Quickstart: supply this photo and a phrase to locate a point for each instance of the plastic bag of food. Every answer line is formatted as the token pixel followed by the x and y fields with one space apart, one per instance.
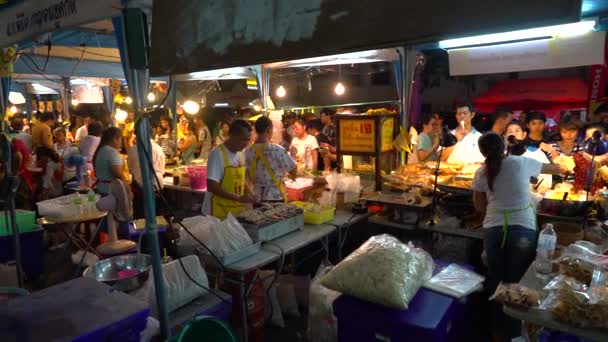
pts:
pixel 516 295
pixel 322 324
pixel 579 264
pixel 575 308
pixel 597 235
pixel 561 281
pixel 382 270
pixel 199 226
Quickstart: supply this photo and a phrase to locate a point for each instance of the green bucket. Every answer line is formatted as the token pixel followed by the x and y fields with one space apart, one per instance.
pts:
pixel 205 328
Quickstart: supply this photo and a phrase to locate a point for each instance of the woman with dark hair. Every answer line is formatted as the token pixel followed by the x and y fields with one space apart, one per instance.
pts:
pixel 107 162
pixel 501 189
pixel 428 139
pixel 565 148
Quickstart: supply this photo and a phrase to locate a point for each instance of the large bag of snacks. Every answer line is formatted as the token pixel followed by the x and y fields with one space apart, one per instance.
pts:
pixel 382 270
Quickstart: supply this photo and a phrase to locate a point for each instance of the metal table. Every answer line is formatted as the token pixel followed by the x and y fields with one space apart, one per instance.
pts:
pixel 544 318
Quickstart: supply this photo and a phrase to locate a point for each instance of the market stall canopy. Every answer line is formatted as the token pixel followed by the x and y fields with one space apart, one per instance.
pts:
pixel 195 35
pixel 534 94
pixel 220 74
pixel 384 55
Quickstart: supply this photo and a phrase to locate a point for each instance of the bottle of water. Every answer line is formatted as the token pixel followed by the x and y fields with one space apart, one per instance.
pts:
pixel 545 249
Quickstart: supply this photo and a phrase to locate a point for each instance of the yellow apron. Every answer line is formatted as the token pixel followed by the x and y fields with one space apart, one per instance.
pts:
pixel 259 155
pixel 505 222
pixel 233 182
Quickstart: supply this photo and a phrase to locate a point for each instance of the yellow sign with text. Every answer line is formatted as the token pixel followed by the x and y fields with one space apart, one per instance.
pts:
pixel 388 130
pixel 358 135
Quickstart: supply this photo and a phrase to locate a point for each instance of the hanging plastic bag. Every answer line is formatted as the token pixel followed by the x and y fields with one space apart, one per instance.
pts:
pixel 199 226
pixel 322 324
pixel 382 270
pixel 228 237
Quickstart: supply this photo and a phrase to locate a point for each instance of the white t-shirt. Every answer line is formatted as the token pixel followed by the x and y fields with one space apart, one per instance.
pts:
pixel 215 170
pixel 158 161
pixel 466 150
pixel 301 145
pixel 81 132
pixel 511 192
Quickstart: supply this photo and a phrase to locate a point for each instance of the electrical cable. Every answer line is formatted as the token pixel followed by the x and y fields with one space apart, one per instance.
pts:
pixel 208 289
pixel 35 70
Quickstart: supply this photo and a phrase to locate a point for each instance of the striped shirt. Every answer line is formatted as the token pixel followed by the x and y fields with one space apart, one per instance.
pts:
pixel 107 157
pixel 570 177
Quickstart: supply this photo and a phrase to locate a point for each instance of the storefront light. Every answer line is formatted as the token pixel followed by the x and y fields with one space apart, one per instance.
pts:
pixel 339 89
pixel 281 92
pixel 191 107
pixel 128 100
pixel 151 97
pixel 13 109
pixel 559 31
pixel 75 102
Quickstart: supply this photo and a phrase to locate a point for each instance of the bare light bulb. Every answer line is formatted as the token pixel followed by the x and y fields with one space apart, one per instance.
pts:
pixel 13 109
pixel 120 115
pixel 339 89
pixel 191 107
pixel 151 97
pixel 128 100
pixel 75 102
pixel 281 92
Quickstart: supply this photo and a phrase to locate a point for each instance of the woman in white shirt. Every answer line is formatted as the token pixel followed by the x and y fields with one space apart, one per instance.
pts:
pixel 303 142
pixel 501 189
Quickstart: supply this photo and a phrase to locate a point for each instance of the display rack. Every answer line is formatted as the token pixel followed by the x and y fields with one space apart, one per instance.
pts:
pixel 367 135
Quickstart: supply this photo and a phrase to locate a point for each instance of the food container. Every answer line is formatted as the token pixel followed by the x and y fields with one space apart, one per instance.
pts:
pixel 198 177
pixel 124 272
pixel 326 214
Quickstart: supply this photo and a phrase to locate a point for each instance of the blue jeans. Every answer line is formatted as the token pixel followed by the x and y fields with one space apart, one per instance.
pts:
pixel 507 265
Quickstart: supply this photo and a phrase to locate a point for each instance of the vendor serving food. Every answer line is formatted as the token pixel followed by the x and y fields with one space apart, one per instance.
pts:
pixel 466 150
pixel 267 164
pixel 226 172
pixel 501 189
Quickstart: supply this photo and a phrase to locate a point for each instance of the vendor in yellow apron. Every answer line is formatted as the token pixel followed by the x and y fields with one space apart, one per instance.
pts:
pixel 506 213
pixel 259 155
pixel 233 182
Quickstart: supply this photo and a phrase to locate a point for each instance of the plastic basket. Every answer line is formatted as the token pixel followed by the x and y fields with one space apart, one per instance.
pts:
pixel 325 215
pixel 198 177
pixel 296 194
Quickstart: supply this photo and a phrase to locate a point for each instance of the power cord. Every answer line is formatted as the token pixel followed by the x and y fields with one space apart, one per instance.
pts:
pixel 208 289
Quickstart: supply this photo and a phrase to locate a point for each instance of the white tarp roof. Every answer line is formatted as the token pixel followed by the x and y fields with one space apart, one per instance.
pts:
pixel 219 74
pixel 369 56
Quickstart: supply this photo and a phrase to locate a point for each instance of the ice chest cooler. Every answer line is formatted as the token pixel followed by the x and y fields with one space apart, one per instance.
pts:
pixel 430 317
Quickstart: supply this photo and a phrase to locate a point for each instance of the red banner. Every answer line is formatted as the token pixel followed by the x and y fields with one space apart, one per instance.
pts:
pixel 598 78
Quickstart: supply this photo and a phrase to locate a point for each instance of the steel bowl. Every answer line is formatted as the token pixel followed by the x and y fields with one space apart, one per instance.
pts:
pixel 123 272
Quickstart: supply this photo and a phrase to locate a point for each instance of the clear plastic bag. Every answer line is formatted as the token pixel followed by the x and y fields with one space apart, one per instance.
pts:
pixel 322 324
pixel 382 270
pixel 272 308
pixel 455 281
pixel 179 288
pixel 575 308
pixel 579 263
pixel 222 237
pixel 597 235
pixel 516 295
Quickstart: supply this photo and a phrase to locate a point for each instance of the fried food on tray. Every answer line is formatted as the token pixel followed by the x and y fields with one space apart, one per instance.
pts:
pixel 461 183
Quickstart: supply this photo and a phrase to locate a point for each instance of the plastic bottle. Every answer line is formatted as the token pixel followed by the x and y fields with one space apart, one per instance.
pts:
pixel 545 249
pixel 307 156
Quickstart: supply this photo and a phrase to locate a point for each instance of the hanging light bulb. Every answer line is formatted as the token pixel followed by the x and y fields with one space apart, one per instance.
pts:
pixel 13 109
pixel 128 100
pixel 339 89
pixel 120 115
pixel 75 102
pixel 191 107
pixel 281 92
pixel 151 97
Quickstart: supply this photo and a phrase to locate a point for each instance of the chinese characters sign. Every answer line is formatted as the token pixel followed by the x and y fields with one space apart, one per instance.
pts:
pixel 357 135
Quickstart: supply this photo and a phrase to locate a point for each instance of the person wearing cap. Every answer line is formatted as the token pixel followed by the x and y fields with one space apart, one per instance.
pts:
pixel 467 148
pixel 536 129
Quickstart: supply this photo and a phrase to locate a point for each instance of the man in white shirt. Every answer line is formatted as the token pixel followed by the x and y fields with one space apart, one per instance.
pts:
pixel 466 151
pixel 303 142
pixel 158 161
pixel 83 131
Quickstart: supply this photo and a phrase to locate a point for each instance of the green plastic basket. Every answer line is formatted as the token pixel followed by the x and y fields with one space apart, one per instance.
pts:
pixel 321 217
pixel 26 222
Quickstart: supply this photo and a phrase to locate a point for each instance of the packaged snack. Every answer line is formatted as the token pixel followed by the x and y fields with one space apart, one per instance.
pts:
pixel 516 295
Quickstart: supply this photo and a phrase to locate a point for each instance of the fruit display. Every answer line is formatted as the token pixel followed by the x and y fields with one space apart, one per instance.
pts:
pixel 380 111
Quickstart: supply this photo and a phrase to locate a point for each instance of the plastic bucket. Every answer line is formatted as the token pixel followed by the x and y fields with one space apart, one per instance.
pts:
pixel 205 328
pixel 198 177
